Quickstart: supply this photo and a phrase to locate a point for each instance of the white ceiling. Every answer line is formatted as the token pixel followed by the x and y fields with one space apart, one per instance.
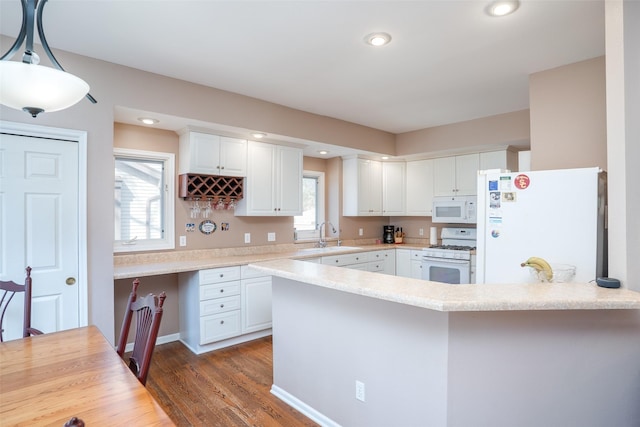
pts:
pixel 448 60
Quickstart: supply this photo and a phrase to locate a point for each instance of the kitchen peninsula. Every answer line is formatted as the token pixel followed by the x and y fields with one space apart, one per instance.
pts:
pixel 426 353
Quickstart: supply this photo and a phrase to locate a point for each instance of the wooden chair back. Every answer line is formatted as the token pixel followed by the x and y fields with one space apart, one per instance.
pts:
pixel 148 313
pixel 7 291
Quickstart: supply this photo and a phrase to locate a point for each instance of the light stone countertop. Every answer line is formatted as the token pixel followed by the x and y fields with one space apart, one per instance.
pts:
pixel 445 297
pixel 130 266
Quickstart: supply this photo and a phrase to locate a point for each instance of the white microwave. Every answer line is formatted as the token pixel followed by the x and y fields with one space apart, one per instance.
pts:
pixel 454 209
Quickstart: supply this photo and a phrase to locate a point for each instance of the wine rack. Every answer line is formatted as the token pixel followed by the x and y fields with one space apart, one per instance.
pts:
pixel 210 187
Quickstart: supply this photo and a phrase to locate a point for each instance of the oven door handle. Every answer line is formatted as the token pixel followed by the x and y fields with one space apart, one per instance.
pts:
pixel 445 260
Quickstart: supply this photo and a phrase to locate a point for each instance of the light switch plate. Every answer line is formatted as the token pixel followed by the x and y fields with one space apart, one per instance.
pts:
pixel 247 237
pixel 183 240
pixel 271 237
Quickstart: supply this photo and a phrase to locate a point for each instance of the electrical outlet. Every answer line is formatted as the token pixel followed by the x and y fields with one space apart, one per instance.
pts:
pixel 360 391
pixel 360 231
pixel 183 240
pixel 421 232
pixel 271 237
pixel 247 237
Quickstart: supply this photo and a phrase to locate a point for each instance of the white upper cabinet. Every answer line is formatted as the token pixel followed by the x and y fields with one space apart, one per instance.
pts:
pixel 361 187
pixel 457 175
pixel 273 186
pixel 394 188
pixel 503 159
pixel 420 187
pixel 206 154
pixel 289 180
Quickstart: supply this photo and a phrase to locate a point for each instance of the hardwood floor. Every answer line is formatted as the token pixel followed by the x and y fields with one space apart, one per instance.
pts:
pixel 227 387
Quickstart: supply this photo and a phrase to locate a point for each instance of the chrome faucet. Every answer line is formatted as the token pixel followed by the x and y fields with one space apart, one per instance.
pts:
pixel 322 243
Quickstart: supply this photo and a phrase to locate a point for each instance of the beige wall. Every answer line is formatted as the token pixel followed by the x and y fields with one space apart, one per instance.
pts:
pixel 568 116
pixel 500 130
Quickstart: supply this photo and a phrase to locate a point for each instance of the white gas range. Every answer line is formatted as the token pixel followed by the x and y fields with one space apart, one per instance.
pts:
pixel 452 261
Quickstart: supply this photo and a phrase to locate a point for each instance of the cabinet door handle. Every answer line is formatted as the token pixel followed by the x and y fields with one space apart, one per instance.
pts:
pixel 222 167
pixel 221 290
pixel 221 275
pixel 222 322
pixel 221 305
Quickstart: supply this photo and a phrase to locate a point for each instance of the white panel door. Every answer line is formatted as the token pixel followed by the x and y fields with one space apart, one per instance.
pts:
pixel 39 224
pixel 260 182
pixel 420 187
pixel 289 198
pixel 393 188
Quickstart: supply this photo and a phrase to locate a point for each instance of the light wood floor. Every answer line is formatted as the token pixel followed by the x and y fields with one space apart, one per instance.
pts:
pixel 228 387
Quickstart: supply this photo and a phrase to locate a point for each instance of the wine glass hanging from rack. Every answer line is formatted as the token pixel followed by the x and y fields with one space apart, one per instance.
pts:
pixel 221 192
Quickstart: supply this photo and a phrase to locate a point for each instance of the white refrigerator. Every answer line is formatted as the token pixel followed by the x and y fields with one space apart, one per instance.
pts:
pixel 557 215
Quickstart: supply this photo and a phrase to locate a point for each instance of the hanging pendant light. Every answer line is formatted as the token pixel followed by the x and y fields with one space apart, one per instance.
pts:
pixel 29 86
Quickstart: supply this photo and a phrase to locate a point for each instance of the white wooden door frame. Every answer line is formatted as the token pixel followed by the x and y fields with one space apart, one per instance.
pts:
pixel 80 137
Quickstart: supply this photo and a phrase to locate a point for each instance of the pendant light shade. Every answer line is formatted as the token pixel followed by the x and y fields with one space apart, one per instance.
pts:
pixel 36 88
pixel 31 87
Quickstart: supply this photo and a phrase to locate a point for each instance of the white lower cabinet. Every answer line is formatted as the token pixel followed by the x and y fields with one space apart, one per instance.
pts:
pixel 256 301
pixel 219 326
pixel 382 261
pixel 347 260
pixel 219 307
pixel 409 263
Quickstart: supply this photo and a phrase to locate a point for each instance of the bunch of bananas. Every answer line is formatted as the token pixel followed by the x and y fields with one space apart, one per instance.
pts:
pixel 541 266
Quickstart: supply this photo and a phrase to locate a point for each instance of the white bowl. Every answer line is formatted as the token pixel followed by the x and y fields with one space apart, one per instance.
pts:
pixel 562 273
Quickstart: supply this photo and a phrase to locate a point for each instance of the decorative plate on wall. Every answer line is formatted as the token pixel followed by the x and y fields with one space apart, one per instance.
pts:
pixel 207 226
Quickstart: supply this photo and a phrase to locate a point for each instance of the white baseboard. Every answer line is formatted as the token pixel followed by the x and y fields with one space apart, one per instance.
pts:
pixel 302 407
pixel 160 340
pixel 204 348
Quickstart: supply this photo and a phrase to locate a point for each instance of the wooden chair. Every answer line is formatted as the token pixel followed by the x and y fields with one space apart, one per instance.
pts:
pixel 8 290
pixel 148 311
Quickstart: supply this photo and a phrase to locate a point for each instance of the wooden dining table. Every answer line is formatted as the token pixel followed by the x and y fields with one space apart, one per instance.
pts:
pixel 48 379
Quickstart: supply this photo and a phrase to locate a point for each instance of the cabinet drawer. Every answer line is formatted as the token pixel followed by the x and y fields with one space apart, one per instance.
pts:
pixel 362 266
pixel 342 260
pixel 380 255
pixel 219 326
pixel 217 275
pixel 219 290
pixel 219 305
pixel 376 266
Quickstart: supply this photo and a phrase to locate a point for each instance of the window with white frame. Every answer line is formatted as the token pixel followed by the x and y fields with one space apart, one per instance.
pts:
pixel 143 200
pixel 307 224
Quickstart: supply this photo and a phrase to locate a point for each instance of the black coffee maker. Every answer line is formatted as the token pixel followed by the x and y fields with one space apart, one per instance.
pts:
pixel 387 234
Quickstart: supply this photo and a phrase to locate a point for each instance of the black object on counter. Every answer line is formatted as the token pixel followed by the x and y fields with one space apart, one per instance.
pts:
pixel 608 282
pixel 387 234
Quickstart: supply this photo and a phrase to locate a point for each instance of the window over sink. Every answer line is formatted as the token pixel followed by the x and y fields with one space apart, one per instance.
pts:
pixel 307 224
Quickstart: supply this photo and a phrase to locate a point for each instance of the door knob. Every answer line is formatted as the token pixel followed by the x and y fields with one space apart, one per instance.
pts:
pixel 70 281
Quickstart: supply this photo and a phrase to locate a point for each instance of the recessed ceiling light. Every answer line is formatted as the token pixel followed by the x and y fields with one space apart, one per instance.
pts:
pixel 385 157
pixel 502 8
pixel 148 120
pixel 258 135
pixel 323 152
pixel 377 39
